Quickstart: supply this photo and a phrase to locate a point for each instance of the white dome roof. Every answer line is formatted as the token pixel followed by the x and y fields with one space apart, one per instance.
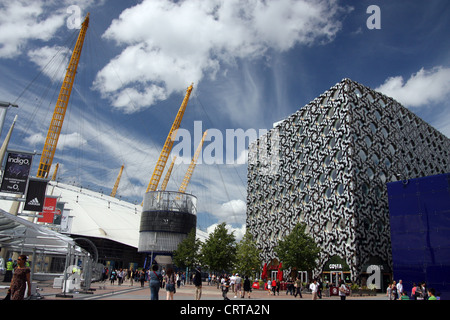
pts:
pixel 98 215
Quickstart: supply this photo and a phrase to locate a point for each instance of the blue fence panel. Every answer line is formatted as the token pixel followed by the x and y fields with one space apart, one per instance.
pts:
pixel 420 231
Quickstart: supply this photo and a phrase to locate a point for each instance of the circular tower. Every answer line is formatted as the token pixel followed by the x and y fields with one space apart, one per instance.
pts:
pixel 167 218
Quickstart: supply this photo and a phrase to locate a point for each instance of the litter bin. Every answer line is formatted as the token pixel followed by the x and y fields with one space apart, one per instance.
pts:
pixel 334 291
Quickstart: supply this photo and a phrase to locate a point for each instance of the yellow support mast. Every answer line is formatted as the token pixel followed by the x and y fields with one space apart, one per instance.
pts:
pixel 167 177
pixel 61 105
pixel 116 185
pixel 55 172
pixel 190 171
pixel 159 168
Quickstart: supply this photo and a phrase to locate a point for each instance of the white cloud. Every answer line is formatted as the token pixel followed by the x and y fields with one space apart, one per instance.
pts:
pixel 52 61
pixel 35 139
pixel 72 140
pixel 233 211
pixel 421 89
pixel 168 45
pixel 238 232
pixel 23 21
pixel 443 122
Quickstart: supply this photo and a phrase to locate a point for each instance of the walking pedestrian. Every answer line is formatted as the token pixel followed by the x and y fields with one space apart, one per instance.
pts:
pixel 400 287
pixel 232 282
pixel 278 286
pixel 113 276
pixel 20 280
pixel 343 290
pixel 238 286
pixel 178 279
pixel 104 274
pixel 274 286
pixel 247 287
pixel 424 294
pixel 389 292
pixel 319 288
pixel 225 287
pixel 155 279
pixel 170 283
pixel 120 276
pixel 298 288
pixel 394 291
pixel 314 288
pixel 290 286
pixel 9 271
pixel 142 278
pixel 413 291
pixel 419 292
pixel 131 277
pixel 198 283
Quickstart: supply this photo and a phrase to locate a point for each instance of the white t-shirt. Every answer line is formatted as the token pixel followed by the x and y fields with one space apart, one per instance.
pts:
pixel 313 286
pixel 342 290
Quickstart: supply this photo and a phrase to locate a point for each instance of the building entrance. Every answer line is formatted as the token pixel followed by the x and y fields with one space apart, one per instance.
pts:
pixel 335 270
pixel 335 278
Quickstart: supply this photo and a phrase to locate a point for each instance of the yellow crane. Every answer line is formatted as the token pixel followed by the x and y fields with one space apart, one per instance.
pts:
pixel 191 168
pixel 162 160
pixel 61 105
pixel 116 185
pixel 167 177
pixel 55 172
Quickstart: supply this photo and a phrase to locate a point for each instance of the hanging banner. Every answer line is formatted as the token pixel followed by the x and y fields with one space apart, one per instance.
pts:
pixel 58 212
pixel 66 221
pixel 49 209
pixel 17 169
pixel 35 195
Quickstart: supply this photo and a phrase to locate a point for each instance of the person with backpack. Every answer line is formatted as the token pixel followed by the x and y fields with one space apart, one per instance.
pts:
pixel 155 280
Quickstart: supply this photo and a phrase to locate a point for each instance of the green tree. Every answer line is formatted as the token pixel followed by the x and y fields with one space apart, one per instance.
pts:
pixel 298 250
pixel 218 253
pixel 188 251
pixel 247 256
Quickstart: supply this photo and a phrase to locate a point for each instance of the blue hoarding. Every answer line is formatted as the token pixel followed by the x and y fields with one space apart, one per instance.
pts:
pixel 420 231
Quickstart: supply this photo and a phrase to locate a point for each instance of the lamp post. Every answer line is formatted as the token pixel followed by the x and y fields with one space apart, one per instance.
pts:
pixel 3 108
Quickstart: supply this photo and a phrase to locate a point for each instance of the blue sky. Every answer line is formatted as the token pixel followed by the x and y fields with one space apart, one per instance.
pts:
pixel 252 63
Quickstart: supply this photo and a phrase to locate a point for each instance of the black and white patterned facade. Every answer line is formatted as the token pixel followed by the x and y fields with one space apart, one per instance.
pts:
pixel 327 165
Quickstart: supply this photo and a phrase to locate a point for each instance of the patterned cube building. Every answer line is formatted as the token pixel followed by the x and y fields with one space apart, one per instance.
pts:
pixel 327 166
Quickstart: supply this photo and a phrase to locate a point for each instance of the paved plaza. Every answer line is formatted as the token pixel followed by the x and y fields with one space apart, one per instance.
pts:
pixel 126 291
pixel 106 300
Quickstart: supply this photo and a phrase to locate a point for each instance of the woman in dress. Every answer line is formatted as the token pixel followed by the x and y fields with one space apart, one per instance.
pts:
pixel 20 280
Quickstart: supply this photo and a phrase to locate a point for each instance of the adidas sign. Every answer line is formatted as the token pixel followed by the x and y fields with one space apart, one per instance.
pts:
pixel 34 202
